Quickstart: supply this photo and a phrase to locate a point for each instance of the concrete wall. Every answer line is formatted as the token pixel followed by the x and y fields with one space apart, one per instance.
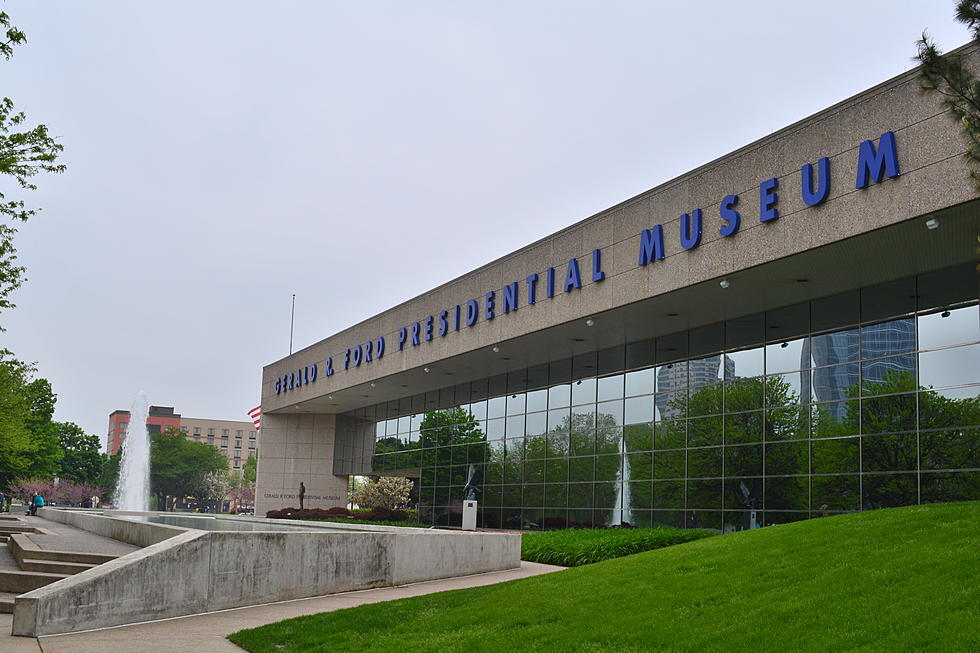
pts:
pixel 298 448
pixel 201 571
pixel 136 533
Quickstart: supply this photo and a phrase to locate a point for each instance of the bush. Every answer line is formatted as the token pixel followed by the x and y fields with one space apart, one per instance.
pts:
pixel 571 548
pixel 338 514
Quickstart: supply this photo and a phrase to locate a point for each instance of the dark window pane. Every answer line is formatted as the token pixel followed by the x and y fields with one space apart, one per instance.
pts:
pixel 836 456
pixel 889 490
pixel 946 486
pixel 953 449
pixel 668 494
pixel 743 427
pixel 670 435
pixel 743 460
pixel 640 466
pixel 887 453
pixel 888 299
pixel 836 492
pixel 791 423
pixel 835 419
pixel 607 468
pixel 704 494
pixel 783 458
pixel 704 463
pixel 669 464
pixel 580 496
pixel 704 431
pixel 744 394
pixel 639 437
pixel 581 469
pixel 555 495
pixel 948 408
pixel 784 493
pixel 888 414
pixel 835 382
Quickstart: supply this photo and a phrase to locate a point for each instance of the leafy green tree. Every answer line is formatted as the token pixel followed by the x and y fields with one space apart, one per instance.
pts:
pixel 948 76
pixel 177 465
pixel 47 454
pixel 249 469
pixel 16 447
pixel 24 153
pixel 82 461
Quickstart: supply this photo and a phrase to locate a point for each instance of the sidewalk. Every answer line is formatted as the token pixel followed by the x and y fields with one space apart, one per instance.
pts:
pixel 206 633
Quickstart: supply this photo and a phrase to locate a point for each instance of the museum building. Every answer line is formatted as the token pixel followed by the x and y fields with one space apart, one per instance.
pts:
pixel 789 331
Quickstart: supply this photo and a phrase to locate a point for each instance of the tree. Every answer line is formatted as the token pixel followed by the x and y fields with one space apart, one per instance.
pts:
pixel 249 469
pixel 82 462
pixel 387 492
pixel 28 438
pixel 960 89
pixel 177 465
pixel 24 153
pixel 212 487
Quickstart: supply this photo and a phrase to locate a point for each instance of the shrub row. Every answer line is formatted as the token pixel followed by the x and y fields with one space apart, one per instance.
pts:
pixel 571 548
pixel 337 512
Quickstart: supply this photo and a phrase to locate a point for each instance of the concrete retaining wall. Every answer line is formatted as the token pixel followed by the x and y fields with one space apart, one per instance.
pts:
pixel 201 571
pixel 136 533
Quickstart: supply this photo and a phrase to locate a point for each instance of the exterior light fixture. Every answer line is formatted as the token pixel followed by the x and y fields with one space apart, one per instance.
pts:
pixel 784 345
pixel 932 223
pixel 425 369
pixel 590 322
pixel 724 283
pixel 330 397
pixel 944 314
pixel 373 384
pixel 495 349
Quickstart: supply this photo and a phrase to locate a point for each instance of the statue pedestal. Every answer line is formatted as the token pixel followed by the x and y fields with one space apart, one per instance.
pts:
pixel 469 515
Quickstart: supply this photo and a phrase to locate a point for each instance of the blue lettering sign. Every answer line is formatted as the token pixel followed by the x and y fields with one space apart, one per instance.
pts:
pixel 813 197
pixel 729 215
pixel 357 356
pixel 532 282
pixel 550 286
pixel 873 162
pixel 472 312
pixel 651 245
pixel 597 273
pixel 691 229
pixel 510 297
pixel 457 318
pixel 428 328
pixel 368 346
pixel 488 309
pixel 379 348
pixel 402 337
pixel 416 328
pixel 572 277
pixel 768 199
pixel 329 366
pixel 443 324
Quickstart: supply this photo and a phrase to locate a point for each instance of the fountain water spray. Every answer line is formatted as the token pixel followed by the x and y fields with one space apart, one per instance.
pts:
pixel 623 507
pixel 133 488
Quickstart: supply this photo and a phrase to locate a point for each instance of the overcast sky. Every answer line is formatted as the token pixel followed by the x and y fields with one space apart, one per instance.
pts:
pixel 224 155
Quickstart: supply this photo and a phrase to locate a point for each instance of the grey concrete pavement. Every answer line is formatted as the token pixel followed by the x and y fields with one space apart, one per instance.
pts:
pixel 206 633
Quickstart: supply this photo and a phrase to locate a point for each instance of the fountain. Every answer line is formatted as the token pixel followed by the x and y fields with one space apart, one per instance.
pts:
pixel 623 505
pixel 133 488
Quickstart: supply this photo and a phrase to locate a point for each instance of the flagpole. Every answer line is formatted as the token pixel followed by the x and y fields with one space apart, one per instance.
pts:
pixel 292 315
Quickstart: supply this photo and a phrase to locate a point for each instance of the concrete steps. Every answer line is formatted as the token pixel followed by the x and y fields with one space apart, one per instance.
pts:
pixel 7 602
pixel 53 566
pixel 20 582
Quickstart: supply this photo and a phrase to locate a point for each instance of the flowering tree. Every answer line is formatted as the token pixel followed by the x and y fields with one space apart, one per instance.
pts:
pixel 388 492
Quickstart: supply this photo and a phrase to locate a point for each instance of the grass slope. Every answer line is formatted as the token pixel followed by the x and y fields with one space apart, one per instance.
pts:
pixel 574 547
pixel 905 579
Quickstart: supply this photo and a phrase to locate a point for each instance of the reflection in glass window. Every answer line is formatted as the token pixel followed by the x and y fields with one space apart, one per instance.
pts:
pixel 946 367
pixel 583 392
pixel 952 327
pixel 537 423
pixel 559 420
pixel 610 387
pixel 787 356
pixel 745 363
pixel 560 396
pixel 537 400
pixel 638 409
pixel 835 383
pixel 639 382
pixel 496 407
pixel 516 404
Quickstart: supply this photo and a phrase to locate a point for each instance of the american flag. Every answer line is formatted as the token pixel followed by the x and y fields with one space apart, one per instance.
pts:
pixel 256 415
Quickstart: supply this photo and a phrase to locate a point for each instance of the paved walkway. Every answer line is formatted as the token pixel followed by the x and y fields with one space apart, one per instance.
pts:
pixel 69 538
pixel 206 633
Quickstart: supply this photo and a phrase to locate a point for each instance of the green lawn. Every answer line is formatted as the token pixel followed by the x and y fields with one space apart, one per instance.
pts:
pixel 575 547
pixel 905 579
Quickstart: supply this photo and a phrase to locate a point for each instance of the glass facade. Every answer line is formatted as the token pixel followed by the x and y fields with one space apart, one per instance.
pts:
pixel 857 401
